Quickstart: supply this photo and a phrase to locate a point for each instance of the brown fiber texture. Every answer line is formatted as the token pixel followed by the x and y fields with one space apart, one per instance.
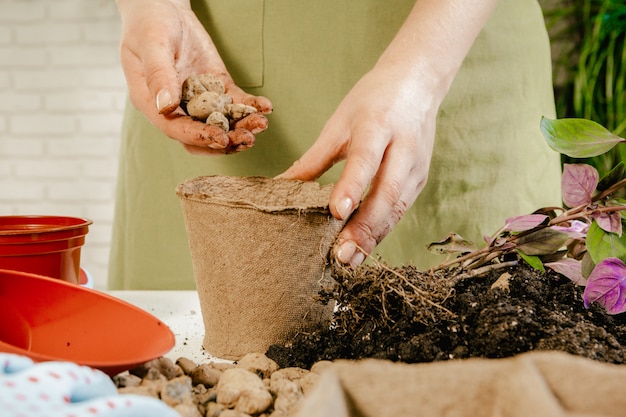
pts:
pixel 259 248
pixel 533 384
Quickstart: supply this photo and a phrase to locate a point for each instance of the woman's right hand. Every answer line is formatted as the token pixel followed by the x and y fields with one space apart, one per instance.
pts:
pixel 162 44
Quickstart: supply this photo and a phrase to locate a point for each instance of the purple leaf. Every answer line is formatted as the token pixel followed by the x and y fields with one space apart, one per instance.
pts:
pixel 607 286
pixel 578 183
pixel 523 223
pixel 609 222
pixel 576 229
pixel 571 268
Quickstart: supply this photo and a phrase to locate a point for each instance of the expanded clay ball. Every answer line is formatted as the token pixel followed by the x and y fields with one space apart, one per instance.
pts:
pixel 211 83
pixel 200 107
pixel 192 87
pixel 237 111
pixel 204 98
pixel 195 85
pixel 254 386
pixel 218 119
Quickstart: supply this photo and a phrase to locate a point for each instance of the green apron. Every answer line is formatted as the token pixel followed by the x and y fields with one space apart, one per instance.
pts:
pixel 490 160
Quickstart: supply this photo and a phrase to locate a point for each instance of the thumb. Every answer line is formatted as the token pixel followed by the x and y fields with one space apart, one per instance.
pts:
pixel 162 79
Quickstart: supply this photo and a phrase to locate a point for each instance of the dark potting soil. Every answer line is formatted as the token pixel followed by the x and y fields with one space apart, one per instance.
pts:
pixel 380 317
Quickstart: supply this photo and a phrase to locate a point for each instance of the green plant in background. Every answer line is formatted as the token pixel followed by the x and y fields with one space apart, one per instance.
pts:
pixel 590 68
pixel 584 240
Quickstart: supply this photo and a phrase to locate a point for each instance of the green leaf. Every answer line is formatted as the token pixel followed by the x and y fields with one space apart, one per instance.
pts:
pixel 602 245
pixel 587 265
pixel 542 242
pixel 578 138
pixel 532 260
pixel 611 177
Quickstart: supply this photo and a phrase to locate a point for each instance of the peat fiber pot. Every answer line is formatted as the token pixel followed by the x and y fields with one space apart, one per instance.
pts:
pixel 259 249
pixel 43 245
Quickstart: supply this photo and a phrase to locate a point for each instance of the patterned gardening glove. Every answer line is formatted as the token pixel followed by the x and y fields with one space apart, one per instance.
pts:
pixel 65 389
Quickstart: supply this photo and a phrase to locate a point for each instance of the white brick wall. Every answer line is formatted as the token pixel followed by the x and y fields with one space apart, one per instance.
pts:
pixel 62 94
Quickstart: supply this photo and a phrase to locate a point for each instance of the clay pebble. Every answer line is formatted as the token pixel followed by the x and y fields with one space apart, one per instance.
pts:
pixel 254 386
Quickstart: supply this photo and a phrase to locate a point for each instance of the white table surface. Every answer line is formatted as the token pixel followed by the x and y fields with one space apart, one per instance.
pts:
pixel 180 311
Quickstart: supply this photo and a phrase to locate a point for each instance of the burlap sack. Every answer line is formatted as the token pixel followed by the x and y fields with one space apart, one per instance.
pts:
pixel 548 383
pixel 259 248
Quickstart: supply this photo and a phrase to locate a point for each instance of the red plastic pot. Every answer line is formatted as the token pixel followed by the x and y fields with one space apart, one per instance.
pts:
pixel 44 245
pixel 50 319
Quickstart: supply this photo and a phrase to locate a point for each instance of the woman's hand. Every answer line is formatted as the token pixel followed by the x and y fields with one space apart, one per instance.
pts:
pixel 385 127
pixel 162 44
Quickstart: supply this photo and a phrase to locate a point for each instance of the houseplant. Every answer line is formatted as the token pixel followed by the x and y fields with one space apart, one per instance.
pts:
pixel 550 280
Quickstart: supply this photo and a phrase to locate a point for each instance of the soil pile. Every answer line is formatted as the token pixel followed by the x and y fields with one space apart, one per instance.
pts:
pixel 381 314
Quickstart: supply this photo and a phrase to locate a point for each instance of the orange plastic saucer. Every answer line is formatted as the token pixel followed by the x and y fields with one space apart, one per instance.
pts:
pixel 50 319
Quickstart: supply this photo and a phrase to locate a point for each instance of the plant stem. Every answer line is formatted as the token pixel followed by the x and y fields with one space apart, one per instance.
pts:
pixel 481 271
pixel 610 190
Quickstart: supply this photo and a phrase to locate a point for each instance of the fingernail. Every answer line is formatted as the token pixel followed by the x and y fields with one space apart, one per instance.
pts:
pixel 346 252
pixel 163 100
pixel 344 208
pixel 357 259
